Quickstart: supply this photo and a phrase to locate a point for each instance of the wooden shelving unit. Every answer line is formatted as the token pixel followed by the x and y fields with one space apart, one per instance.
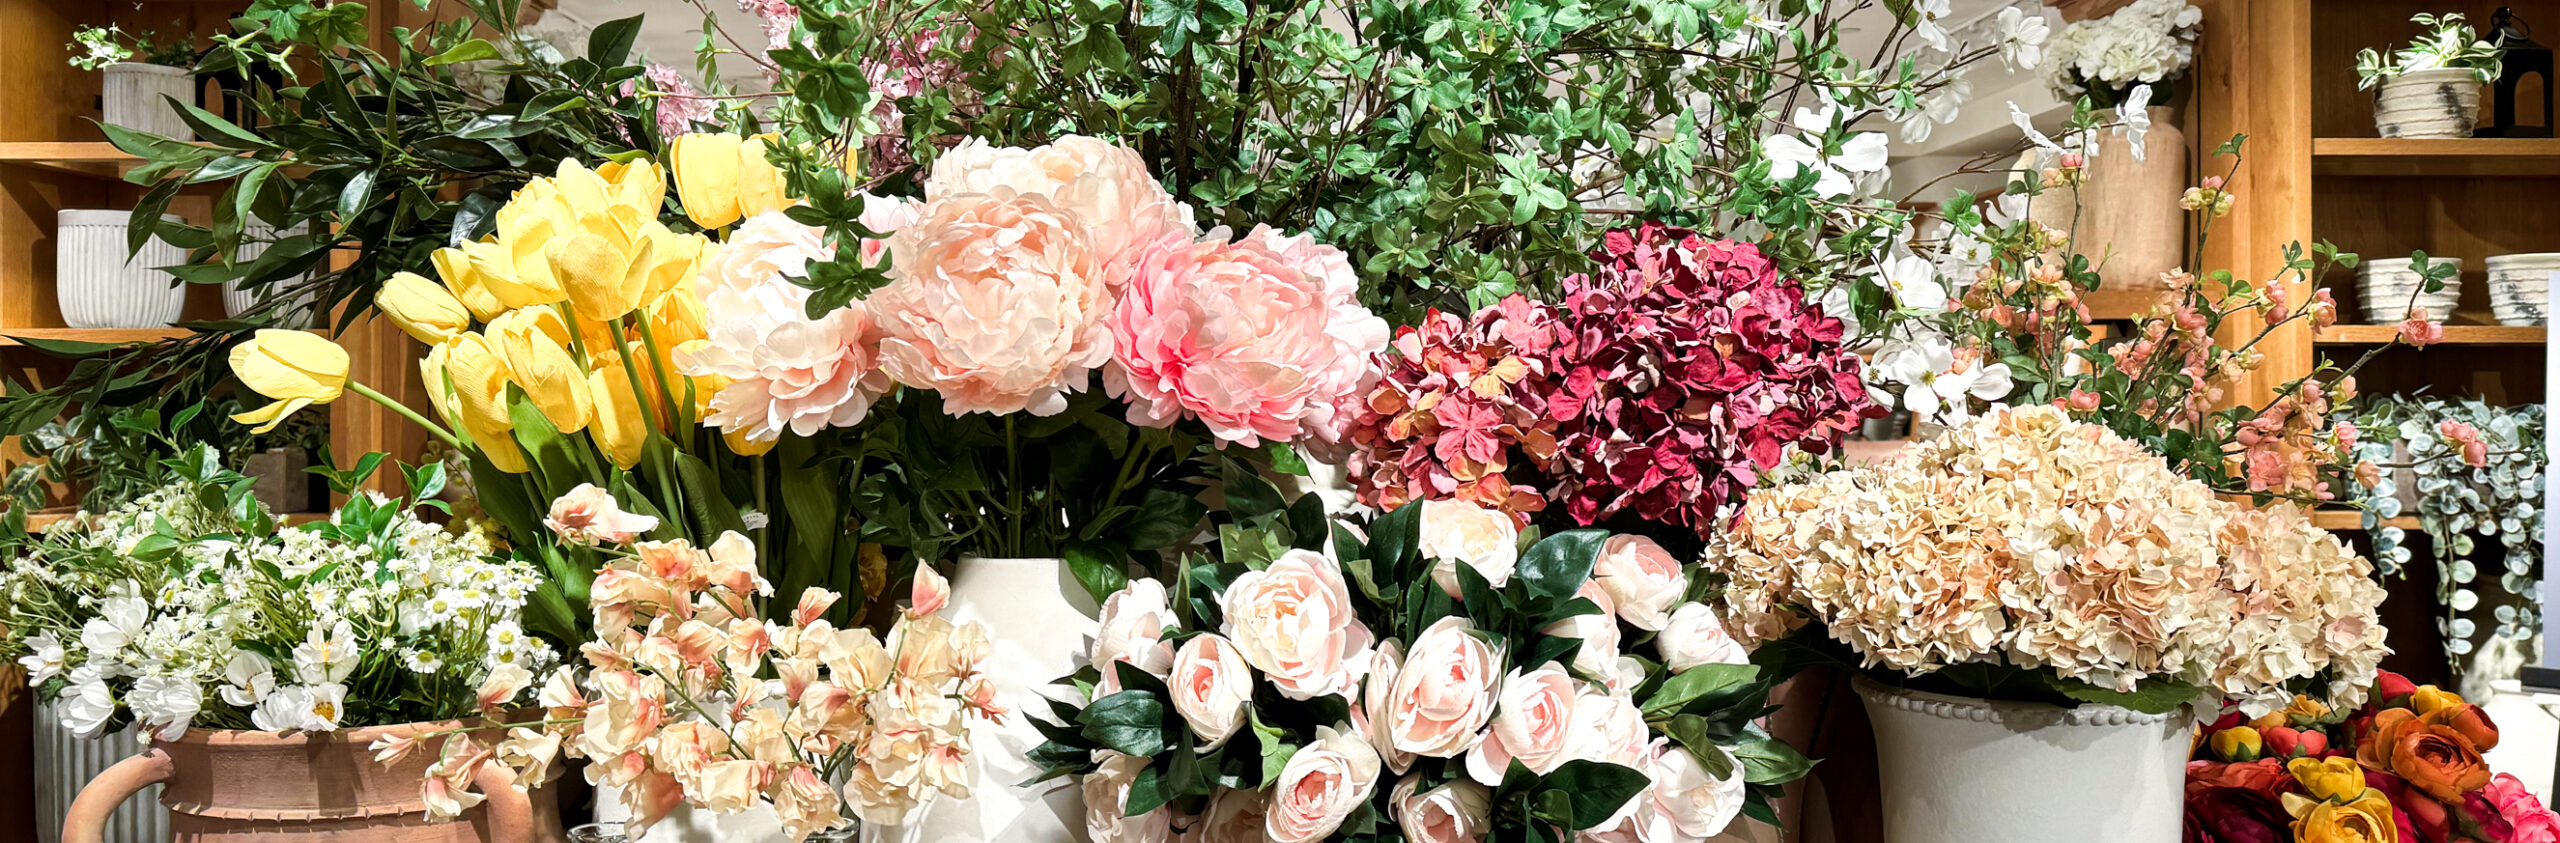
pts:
pixel 2435 157
pixel 112 336
pixel 38 522
pixel 2336 520
pixel 87 158
pixel 2453 335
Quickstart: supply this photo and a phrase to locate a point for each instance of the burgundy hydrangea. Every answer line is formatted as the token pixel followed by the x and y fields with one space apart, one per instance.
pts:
pixel 1682 369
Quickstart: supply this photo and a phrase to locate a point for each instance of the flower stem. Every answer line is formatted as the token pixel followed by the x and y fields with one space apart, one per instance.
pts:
pixel 405 412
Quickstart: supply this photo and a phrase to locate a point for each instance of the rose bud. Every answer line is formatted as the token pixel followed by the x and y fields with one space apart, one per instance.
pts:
pixel 2313 742
pixel 2237 744
pixel 2392 690
pixel 2281 741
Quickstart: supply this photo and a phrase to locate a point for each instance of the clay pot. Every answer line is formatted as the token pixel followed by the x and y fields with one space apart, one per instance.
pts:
pixel 239 786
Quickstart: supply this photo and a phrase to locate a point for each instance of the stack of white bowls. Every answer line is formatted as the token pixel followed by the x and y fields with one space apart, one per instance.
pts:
pixel 2389 288
pixel 2520 286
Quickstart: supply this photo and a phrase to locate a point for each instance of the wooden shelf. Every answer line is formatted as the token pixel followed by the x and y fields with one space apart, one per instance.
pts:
pixel 2436 156
pixel 2348 519
pixel 38 522
pixel 2453 335
pixel 90 158
pixel 116 336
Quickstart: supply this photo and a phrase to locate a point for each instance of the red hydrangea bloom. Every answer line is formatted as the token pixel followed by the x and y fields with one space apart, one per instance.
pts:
pixel 1684 368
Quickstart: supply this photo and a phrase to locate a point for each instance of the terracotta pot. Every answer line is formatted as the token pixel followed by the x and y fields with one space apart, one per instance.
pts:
pixel 238 786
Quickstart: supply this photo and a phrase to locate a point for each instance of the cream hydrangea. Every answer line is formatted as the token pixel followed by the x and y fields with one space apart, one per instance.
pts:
pixel 2027 539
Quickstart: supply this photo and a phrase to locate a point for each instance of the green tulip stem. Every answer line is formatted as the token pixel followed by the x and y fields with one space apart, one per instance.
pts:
pixel 405 412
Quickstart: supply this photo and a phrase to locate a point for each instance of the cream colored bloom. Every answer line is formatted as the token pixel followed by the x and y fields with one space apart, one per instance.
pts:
pixel 1456 532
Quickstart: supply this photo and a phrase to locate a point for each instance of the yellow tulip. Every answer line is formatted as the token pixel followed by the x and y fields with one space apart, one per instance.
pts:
pixel 535 345
pixel 439 389
pixel 638 184
pixel 423 308
pixel 2337 778
pixel 723 178
pixel 621 427
pixel 479 379
pixel 677 258
pixel 604 279
pixel 454 266
pixel 745 447
pixel 294 368
pixel 677 316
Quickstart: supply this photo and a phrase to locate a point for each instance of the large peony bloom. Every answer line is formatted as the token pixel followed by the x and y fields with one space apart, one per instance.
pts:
pixel 785 370
pixel 1103 184
pixel 1263 338
pixel 996 302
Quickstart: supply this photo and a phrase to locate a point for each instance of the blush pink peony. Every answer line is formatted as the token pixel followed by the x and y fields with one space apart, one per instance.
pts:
pixel 1260 339
pixel 1210 684
pixel 1103 184
pixel 995 302
pixel 785 371
pixel 1533 724
pixel 1320 786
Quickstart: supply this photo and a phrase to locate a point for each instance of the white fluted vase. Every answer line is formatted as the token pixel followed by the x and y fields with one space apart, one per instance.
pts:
pixel 1962 770
pixel 1041 624
pixel 255 238
pixel 99 285
pixel 133 98
pixel 66 762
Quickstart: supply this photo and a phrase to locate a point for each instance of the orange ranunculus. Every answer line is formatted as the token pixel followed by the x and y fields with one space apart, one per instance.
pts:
pixel 2265 776
pixel 2364 819
pixel 2468 719
pixel 2436 759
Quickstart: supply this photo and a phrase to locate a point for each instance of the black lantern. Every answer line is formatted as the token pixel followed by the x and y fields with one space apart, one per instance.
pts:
pixel 2522 58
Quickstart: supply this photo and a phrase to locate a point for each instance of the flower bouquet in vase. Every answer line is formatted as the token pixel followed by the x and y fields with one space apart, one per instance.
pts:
pixel 1446 680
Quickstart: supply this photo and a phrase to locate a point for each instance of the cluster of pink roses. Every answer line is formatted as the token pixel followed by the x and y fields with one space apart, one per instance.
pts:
pixel 691 698
pixel 1661 387
pixel 1435 717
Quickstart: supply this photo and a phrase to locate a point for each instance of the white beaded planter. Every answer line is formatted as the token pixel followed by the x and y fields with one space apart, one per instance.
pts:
pixel 1960 770
pixel 99 286
pixel 255 237
pixel 2439 103
pixel 133 98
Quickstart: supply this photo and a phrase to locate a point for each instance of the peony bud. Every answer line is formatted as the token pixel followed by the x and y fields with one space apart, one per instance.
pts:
pixel 2281 742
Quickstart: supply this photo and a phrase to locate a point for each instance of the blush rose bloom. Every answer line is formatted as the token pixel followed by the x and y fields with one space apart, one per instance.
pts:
pixel 1373 716
pixel 1607 727
pixel 1210 684
pixel 1260 339
pixel 1294 622
pixel 1106 795
pixel 1458 811
pixel 1234 816
pixel 995 302
pixel 1532 724
pixel 1643 578
pixel 589 515
pixel 1456 532
pixel 1320 786
pixel 1681 803
pixel 1598 632
pixel 1105 185
pixel 1695 637
pixel 1132 630
pixel 1443 698
pixel 784 370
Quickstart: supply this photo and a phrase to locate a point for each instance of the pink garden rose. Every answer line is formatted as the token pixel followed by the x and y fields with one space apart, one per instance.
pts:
pixel 1210 684
pixel 1444 696
pixel 785 370
pixel 1458 811
pixel 2523 812
pixel 1599 632
pixel 1642 577
pixel 1377 700
pixel 1132 630
pixel 1106 794
pixel 1234 816
pixel 1105 185
pixel 1533 724
pixel 1695 637
pixel 1260 339
pixel 1607 727
pixel 1320 786
pixel 1457 533
pixel 1294 622
pixel 996 302
pixel 589 515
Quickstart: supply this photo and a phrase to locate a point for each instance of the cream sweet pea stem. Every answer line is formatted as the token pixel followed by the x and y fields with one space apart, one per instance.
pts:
pixel 405 412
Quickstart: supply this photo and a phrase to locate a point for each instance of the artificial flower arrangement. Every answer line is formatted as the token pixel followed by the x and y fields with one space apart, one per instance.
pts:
pixel 191 607
pixel 1655 393
pixel 1451 677
pixel 688 696
pixel 2146 43
pixel 2027 556
pixel 2405 767
pixel 2449 43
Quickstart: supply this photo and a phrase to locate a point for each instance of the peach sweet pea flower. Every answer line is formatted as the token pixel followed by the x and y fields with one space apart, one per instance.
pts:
pixel 502 685
pixel 589 515
pixel 1320 786
pixel 929 594
pixel 1294 622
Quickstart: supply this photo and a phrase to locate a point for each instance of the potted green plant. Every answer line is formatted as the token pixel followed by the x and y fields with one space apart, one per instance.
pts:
pixel 141 68
pixel 2430 88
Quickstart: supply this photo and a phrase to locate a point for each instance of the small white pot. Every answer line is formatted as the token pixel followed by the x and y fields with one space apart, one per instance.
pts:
pixel 99 286
pixel 255 237
pixel 2439 103
pixel 2389 288
pixel 2519 286
pixel 133 98
pixel 1040 623
pixel 1960 770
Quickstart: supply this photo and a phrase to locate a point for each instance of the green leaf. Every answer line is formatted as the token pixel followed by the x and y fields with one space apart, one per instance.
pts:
pixel 611 43
pixel 1166 517
pixel 1130 722
pixel 2150 696
pixel 1249 496
pixel 1275 746
pixel 1698 682
pixel 1768 760
pixel 1147 792
pixel 1697 735
pixel 1101 570
pixel 473 50
pixel 1597 790
pixel 1392 540
pixel 1556 566
pixel 214 129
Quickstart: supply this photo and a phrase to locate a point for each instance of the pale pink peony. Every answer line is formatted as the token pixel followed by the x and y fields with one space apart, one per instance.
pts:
pixel 1210 684
pixel 1455 532
pixel 1234 816
pixel 1320 786
pixel 786 371
pixel 1443 697
pixel 1103 184
pixel 1132 630
pixel 1533 725
pixel 589 515
pixel 995 303
pixel 1106 794
pixel 1294 622
pixel 1642 577
pixel 1263 338
pixel 1599 632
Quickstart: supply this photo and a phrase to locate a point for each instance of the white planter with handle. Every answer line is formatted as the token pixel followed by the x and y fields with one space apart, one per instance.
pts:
pixel 133 98
pixel 2438 103
pixel 1962 770
pixel 99 285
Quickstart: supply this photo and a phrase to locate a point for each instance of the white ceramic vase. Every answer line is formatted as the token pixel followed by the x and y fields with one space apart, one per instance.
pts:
pixel 1959 770
pixel 132 98
pixel 1040 622
pixel 2389 288
pixel 65 762
pixel 2520 286
pixel 255 237
pixel 99 286
pixel 2438 103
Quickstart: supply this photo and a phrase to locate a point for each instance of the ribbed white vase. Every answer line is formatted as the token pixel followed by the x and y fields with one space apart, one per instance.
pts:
pixel 64 763
pixel 133 98
pixel 255 237
pixel 1041 624
pixel 99 286
pixel 1962 770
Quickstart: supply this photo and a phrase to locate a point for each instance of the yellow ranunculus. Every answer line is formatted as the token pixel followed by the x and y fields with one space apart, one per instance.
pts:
pixel 2336 779
pixel 454 266
pixel 479 377
pixel 423 308
pixel 724 178
pixel 621 427
pixel 2428 698
pixel 535 344
pixel 2365 819
pixel 294 368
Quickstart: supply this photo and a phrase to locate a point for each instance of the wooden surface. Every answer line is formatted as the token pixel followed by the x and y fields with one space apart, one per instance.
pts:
pixel 2335 520
pixel 2436 156
pixel 2253 76
pixel 89 158
pixel 2453 335
pixel 9 336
